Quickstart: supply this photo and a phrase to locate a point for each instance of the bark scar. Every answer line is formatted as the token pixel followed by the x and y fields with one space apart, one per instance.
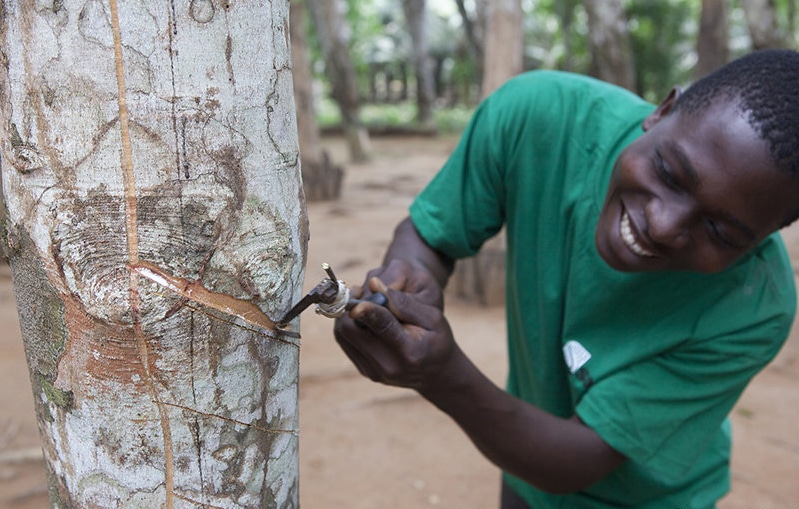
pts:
pixel 196 292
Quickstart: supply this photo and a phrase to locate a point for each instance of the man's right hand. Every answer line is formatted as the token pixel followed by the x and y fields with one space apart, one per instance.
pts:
pixel 408 278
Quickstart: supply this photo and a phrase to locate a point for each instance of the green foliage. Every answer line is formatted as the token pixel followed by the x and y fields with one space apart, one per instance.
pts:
pixel 555 35
pixel 663 34
pixel 453 120
pixel 327 113
pixel 385 115
pixel 450 120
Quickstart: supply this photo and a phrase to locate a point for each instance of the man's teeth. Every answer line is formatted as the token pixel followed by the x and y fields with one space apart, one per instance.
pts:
pixel 629 239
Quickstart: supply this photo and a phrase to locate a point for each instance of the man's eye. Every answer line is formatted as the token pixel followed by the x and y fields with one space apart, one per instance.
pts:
pixel 719 237
pixel 663 171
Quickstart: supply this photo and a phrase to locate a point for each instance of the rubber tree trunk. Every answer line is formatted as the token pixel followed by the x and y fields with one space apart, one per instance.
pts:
pixel 156 139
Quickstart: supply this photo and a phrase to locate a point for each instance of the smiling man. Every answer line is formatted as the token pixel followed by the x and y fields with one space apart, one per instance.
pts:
pixel 691 194
pixel 646 285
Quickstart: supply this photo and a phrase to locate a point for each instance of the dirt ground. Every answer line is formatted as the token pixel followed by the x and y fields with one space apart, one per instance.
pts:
pixel 365 446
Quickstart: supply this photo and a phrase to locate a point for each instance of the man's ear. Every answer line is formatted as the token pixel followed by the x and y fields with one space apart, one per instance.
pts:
pixel 663 109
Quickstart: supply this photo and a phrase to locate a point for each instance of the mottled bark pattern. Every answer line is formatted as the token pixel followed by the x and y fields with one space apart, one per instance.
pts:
pixel 148 398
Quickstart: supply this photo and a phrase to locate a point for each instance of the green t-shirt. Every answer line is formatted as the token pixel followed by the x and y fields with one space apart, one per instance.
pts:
pixel 653 362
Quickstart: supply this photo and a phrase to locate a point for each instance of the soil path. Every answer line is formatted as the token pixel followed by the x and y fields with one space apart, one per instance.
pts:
pixel 365 446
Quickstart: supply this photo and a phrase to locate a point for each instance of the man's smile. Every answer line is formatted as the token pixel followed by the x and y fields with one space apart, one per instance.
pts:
pixel 629 238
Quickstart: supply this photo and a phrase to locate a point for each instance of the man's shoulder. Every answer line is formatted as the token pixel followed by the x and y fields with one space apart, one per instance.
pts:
pixel 771 264
pixel 564 95
pixel 563 82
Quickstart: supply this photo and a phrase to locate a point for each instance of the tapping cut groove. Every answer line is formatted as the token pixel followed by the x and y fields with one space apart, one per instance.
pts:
pixel 131 230
pixel 196 292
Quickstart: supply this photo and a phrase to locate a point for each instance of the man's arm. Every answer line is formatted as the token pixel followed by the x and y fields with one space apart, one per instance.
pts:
pixel 410 344
pixel 554 454
pixel 412 266
pixel 408 245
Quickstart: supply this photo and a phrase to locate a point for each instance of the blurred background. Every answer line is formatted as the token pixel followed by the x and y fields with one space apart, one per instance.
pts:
pixel 383 66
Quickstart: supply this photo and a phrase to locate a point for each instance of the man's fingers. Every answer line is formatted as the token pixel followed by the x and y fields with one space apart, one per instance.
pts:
pixel 378 319
pixel 360 345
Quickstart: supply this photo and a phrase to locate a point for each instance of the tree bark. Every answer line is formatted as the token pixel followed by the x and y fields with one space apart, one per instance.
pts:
pixel 321 179
pixel 504 44
pixel 712 47
pixel 416 17
pixel 609 42
pixel 156 139
pixel 761 19
pixel 332 33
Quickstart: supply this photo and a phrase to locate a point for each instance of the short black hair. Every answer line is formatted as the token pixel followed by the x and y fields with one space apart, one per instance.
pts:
pixel 765 85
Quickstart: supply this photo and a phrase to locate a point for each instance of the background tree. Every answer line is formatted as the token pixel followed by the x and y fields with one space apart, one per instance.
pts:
pixel 765 31
pixel 566 12
pixel 144 139
pixel 504 43
pixel 332 34
pixel 321 179
pixel 474 24
pixel 416 19
pixel 609 42
pixel 712 48
pixel 481 278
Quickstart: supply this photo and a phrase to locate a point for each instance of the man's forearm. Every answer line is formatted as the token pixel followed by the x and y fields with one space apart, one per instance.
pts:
pixel 554 454
pixel 410 246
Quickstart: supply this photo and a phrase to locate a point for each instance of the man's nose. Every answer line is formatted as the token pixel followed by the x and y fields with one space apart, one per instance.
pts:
pixel 669 223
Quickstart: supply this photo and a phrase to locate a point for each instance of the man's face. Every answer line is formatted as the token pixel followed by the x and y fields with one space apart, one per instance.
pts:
pixel 694 193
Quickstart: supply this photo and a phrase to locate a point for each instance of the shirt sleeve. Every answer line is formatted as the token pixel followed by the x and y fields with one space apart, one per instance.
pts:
pixel 462 206
pixel 663 412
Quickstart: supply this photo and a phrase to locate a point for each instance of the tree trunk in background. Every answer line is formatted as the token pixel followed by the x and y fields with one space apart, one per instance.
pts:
pixel 415 17
pixel 609 42
pixel 156 138
pixel 504 44
pixel 320 178
pixel 474 28
pixel 497 38
pixel 712 47
pixel 480 279
pixel 761 19
pixel 333 35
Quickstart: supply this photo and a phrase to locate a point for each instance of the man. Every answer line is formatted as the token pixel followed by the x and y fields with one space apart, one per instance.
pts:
pixel 645 283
